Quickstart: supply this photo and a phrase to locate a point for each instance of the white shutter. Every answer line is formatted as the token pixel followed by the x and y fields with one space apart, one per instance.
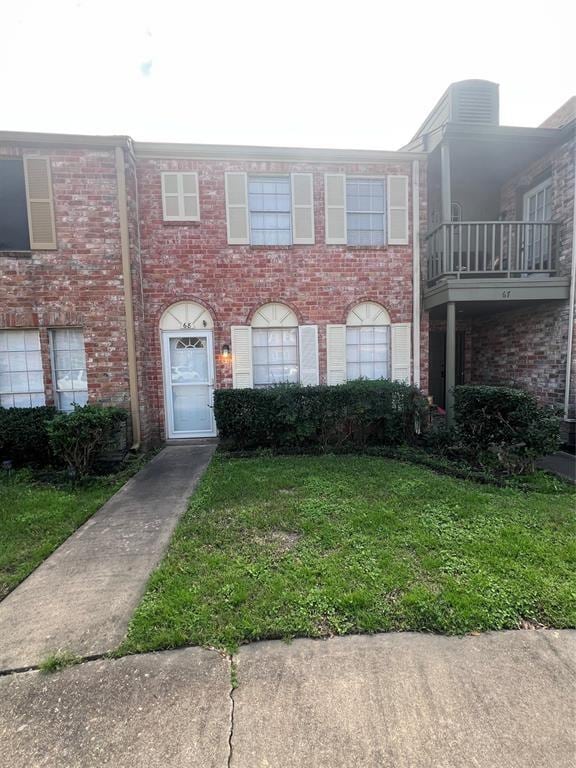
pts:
pixel 401 352
pixel 336 354
pixel 40 203
pixel 237 208
pixel 398 210
pixel 241 356
pixel 302 209
pixel 308 349
pixel 335 208
pixel 180 198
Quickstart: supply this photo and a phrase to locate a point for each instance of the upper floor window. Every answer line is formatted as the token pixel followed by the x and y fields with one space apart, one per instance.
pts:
pixel 26 204
pixel 21 374
pixel 366 211
pixel 69 368
pixel 269 201
pixel 538 202
pixel 269 210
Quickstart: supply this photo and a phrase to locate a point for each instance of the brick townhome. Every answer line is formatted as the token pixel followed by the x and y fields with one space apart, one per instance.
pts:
pixel 145 275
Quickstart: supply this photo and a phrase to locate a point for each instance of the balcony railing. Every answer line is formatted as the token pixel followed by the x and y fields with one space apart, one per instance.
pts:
pixel 492 248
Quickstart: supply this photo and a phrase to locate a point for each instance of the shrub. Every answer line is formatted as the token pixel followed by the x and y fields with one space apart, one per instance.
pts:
pixel 24 436
pixel 77 438
pixel 504 427
pixel 352 415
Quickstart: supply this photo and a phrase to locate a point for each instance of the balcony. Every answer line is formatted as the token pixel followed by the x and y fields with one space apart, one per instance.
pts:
pixel 492 249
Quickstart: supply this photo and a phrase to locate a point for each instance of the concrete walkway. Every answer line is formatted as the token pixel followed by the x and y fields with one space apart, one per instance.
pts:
pixel 562 464
pixel 500 700
pixel 82 597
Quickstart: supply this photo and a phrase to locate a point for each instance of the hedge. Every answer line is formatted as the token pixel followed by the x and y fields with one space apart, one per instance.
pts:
pixel 504 426
pixel 352 415
pixel 23 435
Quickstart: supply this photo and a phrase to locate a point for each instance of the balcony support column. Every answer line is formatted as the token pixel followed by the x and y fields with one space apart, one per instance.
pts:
pixel 445 177
pixel 450 359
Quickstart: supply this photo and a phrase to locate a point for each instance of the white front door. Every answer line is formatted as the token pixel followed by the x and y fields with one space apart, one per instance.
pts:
pixel 189 383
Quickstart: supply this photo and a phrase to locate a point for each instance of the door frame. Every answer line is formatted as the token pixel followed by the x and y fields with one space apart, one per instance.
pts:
pixel 208 333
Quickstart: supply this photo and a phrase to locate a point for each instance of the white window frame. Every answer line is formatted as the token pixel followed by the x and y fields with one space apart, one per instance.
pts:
pixel 359 363
pixel 29 392
pixel 287 176
pixel 58 392
pixel 278 329
pixel 547 183
pixel 180 195
pixel 371 177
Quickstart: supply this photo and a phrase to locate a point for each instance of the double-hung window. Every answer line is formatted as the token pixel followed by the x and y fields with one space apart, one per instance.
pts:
pixel 366 211
pixel 368 352
pixel 275 356
pixel 69 368
pixel 269 202
pixel 21 375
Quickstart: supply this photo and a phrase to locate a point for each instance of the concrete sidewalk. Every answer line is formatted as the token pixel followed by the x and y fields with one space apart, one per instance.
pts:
pixel 562 464
pixel 82 597
pixel 500 700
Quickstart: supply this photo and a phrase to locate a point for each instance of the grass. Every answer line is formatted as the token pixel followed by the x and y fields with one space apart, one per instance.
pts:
pixel 314 546
pixel 38 511
pixel 57 661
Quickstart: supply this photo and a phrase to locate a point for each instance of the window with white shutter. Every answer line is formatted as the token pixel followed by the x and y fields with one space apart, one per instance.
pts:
pixel 368 342
pixel 308 338
pixel 336 354
pixel 241 356
pixel 180 196
pixel 275 346
pixel 335 208
pixel 302 209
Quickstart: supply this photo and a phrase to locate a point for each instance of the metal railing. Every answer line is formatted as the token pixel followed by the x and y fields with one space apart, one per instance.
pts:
pixel 496 248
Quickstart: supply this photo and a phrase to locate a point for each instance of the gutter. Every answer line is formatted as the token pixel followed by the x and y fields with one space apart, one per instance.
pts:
pixel 416 276
pixel 571 314
pixel 128 303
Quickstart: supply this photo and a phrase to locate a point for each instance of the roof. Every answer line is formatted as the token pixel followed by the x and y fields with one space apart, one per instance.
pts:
pixel 208 151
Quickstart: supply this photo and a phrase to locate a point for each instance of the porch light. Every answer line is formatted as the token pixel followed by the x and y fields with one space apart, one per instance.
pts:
pixel 225 350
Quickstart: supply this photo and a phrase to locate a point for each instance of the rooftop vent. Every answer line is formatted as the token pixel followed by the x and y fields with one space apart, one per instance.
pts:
pixel 474 102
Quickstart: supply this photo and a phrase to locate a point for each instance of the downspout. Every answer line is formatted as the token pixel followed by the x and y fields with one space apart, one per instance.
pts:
pixel 571 313
pixel 416 277
pixel 128 304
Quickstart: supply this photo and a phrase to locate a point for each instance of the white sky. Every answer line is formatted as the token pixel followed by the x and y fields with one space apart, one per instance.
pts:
pixel 360 74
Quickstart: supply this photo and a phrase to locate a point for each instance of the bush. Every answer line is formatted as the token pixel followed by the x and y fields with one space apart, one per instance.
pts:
pixel 351 415
pixel 504 427
pixel 77 438
pixel 24 436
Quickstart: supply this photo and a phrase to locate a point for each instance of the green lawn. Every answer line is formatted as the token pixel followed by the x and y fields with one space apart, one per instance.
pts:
pixel 283 547
pixel 36 517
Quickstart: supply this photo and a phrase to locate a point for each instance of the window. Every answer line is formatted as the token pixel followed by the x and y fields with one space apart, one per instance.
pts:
pixel 26 204
pixel 275 356
pixel 14 233
pixel 270 210
pixel 69 368
pixel 21 376
pixel 537 240
pixel 366 211
pixel 368 352
pixel 368 342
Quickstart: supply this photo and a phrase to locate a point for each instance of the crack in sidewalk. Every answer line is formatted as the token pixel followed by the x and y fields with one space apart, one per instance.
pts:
pixel 233 686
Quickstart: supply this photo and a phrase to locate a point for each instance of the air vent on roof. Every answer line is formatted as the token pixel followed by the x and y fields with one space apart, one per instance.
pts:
pixel 474 102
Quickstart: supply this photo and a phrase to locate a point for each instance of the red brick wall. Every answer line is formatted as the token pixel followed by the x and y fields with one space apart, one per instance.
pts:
pixel 193 261
pixel 81 283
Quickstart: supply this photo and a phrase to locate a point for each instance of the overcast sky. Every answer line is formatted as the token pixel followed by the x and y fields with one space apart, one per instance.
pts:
pixel 359 74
